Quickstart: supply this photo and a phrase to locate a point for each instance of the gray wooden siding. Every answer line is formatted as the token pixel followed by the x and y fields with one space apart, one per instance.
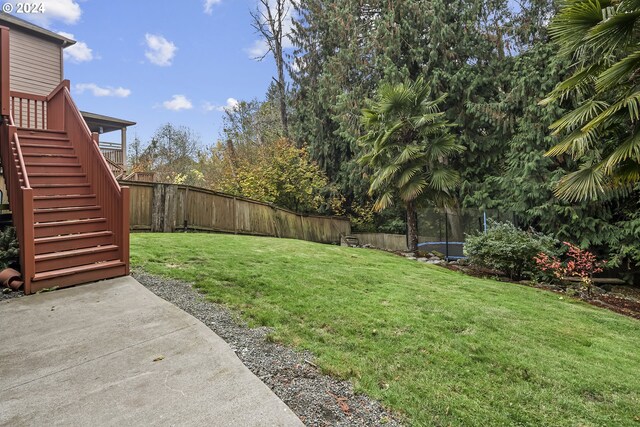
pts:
pixel 35 64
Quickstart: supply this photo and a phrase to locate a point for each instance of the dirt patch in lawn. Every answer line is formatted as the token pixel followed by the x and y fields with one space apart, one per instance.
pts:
pixel 317 399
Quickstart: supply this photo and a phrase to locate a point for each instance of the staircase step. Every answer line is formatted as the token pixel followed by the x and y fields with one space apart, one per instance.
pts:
pixel 41 131
pixel 76 226
pixel 65 214
pixel 50 158
pixel 52 167
pixel 42 135
pixel 73 241
pixel 67 200
pixel 60 189
pixel 46 149
pixel 58 178
pixel 77 275
pixel 75 258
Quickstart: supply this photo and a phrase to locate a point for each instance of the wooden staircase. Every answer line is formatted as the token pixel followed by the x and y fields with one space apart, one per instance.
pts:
pixel 73 242
pixel 71 215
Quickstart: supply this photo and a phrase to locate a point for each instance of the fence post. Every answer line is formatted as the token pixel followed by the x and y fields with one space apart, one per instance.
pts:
pixel 169 208
pixel 446 236
pixel 157 211
pixel 235 216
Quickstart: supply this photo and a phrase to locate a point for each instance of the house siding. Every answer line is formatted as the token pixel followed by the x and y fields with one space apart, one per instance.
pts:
pixel 35 64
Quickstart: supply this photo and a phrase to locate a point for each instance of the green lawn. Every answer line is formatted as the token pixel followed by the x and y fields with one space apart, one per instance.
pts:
pixel 437 347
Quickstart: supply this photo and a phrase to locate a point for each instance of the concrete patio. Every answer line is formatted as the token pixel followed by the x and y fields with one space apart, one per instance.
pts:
pixel 113 353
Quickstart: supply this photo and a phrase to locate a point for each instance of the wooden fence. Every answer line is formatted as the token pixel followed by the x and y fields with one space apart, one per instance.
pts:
pixel 390 242
pixel 168 207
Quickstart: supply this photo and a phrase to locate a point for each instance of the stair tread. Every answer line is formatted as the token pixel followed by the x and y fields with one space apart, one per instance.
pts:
pixel 74 252
pixel 62 147
pixel 67 209
pixel 24 129
pixel 63 237
pixel 70 222
pixel 45 136
pixel 64 196
pixel 65 156
pixel 54 165
pixel 54 175
pixel 52 274
pixel 59 185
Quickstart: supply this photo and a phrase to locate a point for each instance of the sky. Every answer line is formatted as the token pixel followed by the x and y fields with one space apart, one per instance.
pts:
pixel 154 62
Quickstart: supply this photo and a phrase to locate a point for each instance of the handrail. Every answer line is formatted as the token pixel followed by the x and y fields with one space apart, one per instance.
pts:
pixel 54 92
pixel 95 148
pixel 25 177
pixel 17 94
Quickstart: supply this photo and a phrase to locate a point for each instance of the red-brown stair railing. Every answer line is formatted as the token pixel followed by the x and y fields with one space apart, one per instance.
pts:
pixel 64 115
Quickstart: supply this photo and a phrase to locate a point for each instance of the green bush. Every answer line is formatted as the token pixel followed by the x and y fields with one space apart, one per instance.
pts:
pixel 506 248
pixel 9 249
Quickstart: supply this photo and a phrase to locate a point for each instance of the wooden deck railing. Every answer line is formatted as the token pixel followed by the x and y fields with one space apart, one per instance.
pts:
pixel 113 198
pixel 29 110
pixel 114 155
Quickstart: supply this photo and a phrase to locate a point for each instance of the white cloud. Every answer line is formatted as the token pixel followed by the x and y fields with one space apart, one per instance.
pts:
pixel 260 47
pixel 231 105
pixel 208 5
pixel 177 103
pixel 118 92
pixel 77 53
pixel 160 51
pixel 66 11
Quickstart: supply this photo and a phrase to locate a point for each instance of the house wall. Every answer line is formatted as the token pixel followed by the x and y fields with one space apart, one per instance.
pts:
pixel 35 64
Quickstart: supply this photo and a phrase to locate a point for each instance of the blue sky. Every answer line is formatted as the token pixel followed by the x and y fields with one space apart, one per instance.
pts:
pixel 155 62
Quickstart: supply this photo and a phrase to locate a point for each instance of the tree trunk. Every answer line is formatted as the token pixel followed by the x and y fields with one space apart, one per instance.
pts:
pixel 412 227
pixel 282 89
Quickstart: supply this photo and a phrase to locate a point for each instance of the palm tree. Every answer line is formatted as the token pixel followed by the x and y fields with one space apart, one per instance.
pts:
pixel 406 146
pixel 601 133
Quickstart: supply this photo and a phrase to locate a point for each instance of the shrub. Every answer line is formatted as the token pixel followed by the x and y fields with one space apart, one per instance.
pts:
pixel 580 263
pixel 506 248
pixel 9 250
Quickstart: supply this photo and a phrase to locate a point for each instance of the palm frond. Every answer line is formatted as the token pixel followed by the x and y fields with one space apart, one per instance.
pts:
pixel 383 202
pixel 413 189
pixel 385 175
pixel 410 152
pixel 572 24
pixel 408 174
pixel 443 146
pixel 576 144
pixel 615 31
pixel 580 82
pixel 443 179
pixel 587 183
pixel 629 149
pixel 631 102
pixel 576 118
pixel 620 71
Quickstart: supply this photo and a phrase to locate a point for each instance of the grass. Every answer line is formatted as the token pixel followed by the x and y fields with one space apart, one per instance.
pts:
pixel 435 346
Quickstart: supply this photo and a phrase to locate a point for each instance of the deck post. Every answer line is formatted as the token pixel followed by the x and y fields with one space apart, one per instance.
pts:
pixel 123 147
pixel 125 228
pixel 5 86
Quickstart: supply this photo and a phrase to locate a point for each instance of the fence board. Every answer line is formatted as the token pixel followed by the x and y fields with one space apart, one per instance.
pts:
pixel 141 200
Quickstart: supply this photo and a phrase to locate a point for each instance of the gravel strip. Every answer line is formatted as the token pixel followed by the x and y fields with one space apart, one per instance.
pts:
pixel 317 399
pixel 6 293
